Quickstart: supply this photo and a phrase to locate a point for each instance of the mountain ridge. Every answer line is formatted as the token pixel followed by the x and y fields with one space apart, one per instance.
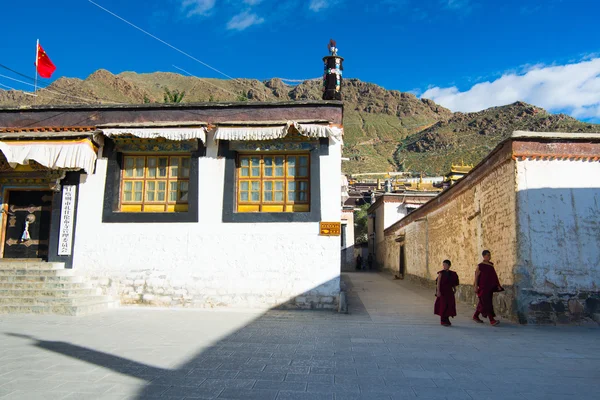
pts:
pixel 385 130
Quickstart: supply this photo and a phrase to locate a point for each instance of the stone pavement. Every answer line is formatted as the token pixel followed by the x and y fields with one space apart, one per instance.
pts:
pixel 390 346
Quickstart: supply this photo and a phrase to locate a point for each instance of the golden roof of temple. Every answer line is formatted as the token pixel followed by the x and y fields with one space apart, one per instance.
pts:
pixel 462 168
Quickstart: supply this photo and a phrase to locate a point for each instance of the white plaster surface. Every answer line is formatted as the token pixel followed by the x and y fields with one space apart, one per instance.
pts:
pixel 211 263
pixel 392 213
pixel 348 259
pixel 558 205
pixel 386 215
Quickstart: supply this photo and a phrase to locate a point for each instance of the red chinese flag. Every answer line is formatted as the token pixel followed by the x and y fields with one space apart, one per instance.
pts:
pixel 44 66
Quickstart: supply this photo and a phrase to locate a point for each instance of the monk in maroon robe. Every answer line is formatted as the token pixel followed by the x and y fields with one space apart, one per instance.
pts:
pixel 486 284
pixel 445 304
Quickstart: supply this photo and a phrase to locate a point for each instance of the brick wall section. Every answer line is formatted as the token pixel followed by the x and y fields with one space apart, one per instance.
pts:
pixel 478 214
pixel 389 254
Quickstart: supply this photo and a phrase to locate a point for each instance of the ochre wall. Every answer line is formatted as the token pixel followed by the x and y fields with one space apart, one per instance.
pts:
pixel 477 216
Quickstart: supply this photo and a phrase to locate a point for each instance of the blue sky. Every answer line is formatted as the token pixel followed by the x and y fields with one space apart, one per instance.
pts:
pixel 465 54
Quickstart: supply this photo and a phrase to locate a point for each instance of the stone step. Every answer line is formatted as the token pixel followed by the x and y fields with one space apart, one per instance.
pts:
pixel 41 278
pixel 78 310
pixel 35 271
pixel 34 286
pixel 8 263
pixel 67 284
pixel 54 301
pixel 46 292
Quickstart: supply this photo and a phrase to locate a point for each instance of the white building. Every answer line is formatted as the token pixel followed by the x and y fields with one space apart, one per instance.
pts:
pixel 199 205
pixel 388 209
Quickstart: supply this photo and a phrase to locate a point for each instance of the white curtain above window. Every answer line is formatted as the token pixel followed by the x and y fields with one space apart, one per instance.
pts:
pixel 66 154
pixel 276 132
pixel 176 134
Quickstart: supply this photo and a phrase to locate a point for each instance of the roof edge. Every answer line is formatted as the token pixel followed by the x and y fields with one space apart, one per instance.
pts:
pixel 208 105
pixel 554 135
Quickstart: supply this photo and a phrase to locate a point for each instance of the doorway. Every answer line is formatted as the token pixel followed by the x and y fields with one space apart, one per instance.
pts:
pixel 27 223
pixel 402 263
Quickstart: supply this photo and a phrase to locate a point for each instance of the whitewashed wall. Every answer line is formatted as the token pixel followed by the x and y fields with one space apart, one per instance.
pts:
pixel 387 215
pixel 211 263
pixel 558 205
pixel 558 267
pixel 348 262
pixel 392 213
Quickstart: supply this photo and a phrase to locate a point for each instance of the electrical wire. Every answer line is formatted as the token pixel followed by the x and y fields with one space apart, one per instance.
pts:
pixel 16 72
pixel 58 93
pixel 206 81
pixel 161 41
pixel 17 90
pixel 181 51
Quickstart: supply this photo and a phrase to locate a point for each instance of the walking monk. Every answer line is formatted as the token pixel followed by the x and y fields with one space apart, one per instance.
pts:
pixel 445 304
pixel 486 284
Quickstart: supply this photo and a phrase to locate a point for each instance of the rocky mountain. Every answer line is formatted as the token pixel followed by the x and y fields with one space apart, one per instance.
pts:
pixel 469 137
pixel 385 130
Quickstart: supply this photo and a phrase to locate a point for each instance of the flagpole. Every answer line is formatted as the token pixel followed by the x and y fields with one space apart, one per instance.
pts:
pixel 37 47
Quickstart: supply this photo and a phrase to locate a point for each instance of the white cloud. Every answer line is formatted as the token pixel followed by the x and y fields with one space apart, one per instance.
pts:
pixel 461 7
pixel 318 5
pixel 456 4
pixel 244 20
pixel 572 88
pixel 253 2
pixel 197 7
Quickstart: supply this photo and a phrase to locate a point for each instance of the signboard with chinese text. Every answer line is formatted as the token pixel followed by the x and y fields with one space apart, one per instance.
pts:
pixel 67 216
pixel 330 228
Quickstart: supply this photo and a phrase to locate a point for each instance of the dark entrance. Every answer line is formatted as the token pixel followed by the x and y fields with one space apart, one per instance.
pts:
pixel 27 224
pixel 402 266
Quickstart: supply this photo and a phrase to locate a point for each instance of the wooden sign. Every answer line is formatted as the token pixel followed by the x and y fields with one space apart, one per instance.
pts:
pixel 330 228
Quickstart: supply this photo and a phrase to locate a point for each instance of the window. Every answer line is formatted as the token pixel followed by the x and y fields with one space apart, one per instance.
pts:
pixel 155 183
pixel 273 183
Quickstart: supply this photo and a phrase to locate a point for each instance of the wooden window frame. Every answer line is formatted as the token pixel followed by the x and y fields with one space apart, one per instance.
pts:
pixel 155 206
pixel 269 206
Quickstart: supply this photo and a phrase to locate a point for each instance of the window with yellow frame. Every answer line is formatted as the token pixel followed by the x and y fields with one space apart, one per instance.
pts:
pixel 273 183
pixel 155 183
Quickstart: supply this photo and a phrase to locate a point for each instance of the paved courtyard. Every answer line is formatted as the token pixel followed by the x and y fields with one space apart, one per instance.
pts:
pixel 390 346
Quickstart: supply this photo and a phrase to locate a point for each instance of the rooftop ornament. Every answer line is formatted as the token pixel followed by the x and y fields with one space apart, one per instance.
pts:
pixel 332 47
pixel 332 77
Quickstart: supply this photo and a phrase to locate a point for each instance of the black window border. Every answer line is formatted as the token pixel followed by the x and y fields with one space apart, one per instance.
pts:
pixel 230 195
pixel 112 188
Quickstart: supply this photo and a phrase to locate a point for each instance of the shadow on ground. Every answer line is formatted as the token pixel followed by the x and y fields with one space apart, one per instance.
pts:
pixel 389 346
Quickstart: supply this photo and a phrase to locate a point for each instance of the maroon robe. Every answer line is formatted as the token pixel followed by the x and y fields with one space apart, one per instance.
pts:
pixel 488 284
pixel 445 304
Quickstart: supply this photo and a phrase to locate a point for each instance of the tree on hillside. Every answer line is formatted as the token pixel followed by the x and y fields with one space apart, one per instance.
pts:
pixel 360 224
pixel 173 97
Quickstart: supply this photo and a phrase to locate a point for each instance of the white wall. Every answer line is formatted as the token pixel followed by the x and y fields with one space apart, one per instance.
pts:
pixel 348 260
pixel 387 215
pixel 393 212
pixel 212 263
pixel 558 206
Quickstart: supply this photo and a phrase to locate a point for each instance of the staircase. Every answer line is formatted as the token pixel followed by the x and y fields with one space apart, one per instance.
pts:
pixel 38 287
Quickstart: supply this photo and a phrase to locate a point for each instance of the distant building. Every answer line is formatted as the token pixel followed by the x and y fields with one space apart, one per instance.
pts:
pixel 347 228
pixel 457 172
pixel 387 210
